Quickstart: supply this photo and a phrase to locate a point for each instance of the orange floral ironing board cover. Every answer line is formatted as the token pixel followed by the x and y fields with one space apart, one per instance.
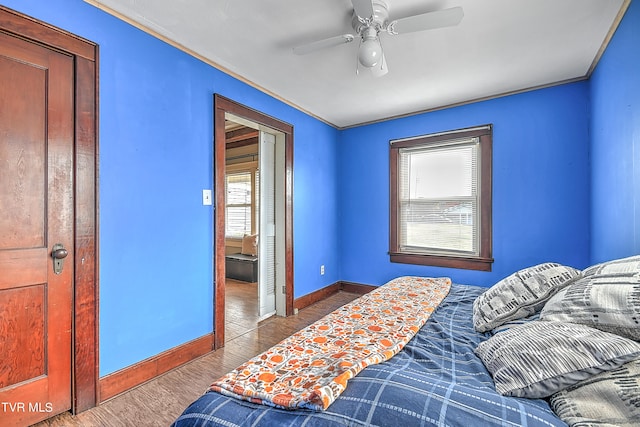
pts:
pixel 311 368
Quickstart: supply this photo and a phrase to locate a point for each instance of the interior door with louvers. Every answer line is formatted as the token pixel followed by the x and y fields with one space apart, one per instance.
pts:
pixel 267 232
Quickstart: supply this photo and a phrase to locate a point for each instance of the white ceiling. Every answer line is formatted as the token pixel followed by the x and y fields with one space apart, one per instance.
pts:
pixel 500 47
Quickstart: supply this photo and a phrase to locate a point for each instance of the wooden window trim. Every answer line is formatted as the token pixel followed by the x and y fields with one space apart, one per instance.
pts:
pixel 484 260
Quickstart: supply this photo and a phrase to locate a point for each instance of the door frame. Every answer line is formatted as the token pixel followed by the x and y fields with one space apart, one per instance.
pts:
pixel 84 369
pixel 222 106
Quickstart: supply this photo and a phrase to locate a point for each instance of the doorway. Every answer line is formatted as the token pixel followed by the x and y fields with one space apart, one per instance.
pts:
pixel 242 222
pixel 48 244
pixel 274 226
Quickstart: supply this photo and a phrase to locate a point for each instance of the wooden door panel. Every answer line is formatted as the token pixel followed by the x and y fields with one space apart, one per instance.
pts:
pixel 22 355
pixel 23 155
pixel 24 267
pixel 36 198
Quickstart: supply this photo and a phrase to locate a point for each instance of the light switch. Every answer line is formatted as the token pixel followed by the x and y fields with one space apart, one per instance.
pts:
pixel 206 197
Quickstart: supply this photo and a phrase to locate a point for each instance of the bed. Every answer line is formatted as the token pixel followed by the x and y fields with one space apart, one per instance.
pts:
pixel 450 374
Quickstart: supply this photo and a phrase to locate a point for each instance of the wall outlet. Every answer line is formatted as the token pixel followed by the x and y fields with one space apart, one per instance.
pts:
pixel 322 270
pixel 206 197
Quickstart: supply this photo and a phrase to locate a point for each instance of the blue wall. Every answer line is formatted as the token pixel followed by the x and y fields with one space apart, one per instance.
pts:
pixel 615 133
pixel 156 132
pixel 540 185
pixel 156 151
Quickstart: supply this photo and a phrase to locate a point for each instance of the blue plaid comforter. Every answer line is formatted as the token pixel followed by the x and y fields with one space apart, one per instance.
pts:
pixel 436 380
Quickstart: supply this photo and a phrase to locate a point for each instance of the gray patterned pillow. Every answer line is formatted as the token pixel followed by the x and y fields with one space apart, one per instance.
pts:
pixel 520 295
pixel 629 266
pixel 607 297
pixel 540 358
pixel 607 399
pixel 513 323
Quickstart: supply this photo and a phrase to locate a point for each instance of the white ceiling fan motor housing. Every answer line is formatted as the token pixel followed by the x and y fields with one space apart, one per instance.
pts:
pixel 378 20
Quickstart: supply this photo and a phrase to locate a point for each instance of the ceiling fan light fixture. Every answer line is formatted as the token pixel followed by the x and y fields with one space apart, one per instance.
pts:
pixel 370 51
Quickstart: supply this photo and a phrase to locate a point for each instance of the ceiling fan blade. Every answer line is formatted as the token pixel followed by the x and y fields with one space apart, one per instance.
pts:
pixel 427 21
pixel 381 69
pixel 363 8
pixel 322 44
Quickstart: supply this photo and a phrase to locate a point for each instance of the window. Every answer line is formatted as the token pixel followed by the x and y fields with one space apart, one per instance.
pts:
pixel 440 199
pixel 239 205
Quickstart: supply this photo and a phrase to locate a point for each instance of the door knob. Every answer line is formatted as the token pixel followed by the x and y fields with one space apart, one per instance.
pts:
pixel 58 253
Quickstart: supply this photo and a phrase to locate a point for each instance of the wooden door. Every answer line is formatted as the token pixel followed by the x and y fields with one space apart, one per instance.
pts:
pixel 37 212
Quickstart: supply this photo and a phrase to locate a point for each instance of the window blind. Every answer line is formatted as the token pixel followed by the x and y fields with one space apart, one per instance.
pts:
pixel 438 198
pixel 238 204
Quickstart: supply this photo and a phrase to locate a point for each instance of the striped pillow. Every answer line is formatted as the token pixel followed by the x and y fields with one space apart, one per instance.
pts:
pixel 607 298
pixel 540 358
pixel 513 323
pixel 609 398
pixel 520 295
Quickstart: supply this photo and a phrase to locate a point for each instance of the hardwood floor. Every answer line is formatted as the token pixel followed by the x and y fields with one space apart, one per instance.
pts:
pixel 160 401
pixel 241 308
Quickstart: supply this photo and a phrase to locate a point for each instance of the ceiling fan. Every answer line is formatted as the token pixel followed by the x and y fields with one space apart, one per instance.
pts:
pixel 370 18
